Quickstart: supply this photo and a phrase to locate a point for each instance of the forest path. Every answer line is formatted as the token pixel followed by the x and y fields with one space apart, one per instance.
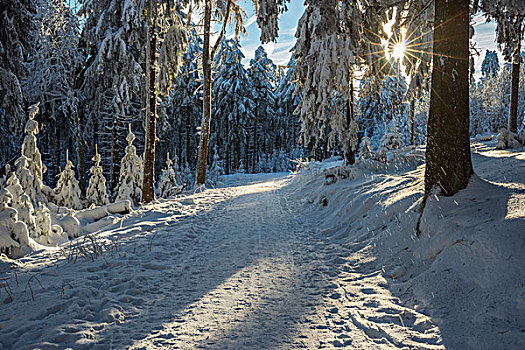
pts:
pixel 240 267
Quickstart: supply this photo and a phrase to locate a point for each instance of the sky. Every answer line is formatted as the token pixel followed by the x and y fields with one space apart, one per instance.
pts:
pixel 279 51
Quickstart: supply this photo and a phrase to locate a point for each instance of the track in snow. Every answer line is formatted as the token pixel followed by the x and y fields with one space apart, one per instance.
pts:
pixel 234 268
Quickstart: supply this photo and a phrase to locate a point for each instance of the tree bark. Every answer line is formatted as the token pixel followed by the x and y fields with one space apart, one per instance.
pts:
pixel 448 159
pixel 202 158
pixel 148 181
pixel 514 91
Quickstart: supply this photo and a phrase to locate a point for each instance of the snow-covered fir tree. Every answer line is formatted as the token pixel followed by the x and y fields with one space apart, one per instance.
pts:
pixel 232 104
pixel 96 193
pixel 168 185
pixel 67 191
pixel 490 65
pixel 327 49
pixel 262 74
pixel 53 80
pixel 130 180
pixel 286 101
pixel 115 50
pixel 16 44
pixel 36 189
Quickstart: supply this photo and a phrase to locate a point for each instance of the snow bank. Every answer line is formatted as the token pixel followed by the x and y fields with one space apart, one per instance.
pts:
pixel 466 269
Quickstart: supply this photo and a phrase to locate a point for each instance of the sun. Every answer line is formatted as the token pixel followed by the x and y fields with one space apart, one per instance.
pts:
pixel 398 50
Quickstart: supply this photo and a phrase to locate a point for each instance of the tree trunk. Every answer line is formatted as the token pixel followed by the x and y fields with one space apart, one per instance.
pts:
pixel 350 155
pixel 514 91
pixel 57 150
pixel 202 158
pixel 148 181
pixel 255 150
pixel 114 157
pixel 448 160
pixel 228 148
pixel 412 120
pixel 80 155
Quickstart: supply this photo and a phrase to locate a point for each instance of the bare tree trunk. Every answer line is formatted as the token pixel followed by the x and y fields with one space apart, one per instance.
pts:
pixel 202 158
pixel 412 120
pixel 514 90
pixel 448 160
pixel 148 182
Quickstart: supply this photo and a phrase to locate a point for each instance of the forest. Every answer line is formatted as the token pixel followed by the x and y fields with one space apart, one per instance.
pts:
pixel 120 117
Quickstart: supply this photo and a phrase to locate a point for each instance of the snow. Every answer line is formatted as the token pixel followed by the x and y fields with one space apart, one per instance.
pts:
pixel 284 261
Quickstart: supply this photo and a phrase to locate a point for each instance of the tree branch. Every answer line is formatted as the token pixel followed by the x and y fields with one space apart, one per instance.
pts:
pixel 223 30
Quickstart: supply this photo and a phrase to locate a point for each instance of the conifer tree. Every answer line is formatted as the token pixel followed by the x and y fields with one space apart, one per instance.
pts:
pixel 262 73
pixel 96 193
pixel 16 45
pixel 232 103
pixel 67 192
pixel 130 180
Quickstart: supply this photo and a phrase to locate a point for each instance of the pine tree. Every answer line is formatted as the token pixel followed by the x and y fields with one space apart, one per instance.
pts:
pixel 286 100
pixel 113 40
pixel 262 73
pixel 96 193
pixel 53 82
pixel 330 39
pixel 16 26
pixel 130 180
pixel 67 192
pixel 510 19
pixel 490 65
pixel 32 160
pixel 232 104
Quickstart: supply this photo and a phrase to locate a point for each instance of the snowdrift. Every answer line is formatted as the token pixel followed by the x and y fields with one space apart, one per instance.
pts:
pixel 465 270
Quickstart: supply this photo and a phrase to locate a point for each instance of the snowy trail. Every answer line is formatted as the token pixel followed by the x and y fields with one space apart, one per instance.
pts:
pixel 239 267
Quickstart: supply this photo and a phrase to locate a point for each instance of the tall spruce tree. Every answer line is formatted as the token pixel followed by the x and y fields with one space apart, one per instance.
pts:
pixel 262 74
pixel 232 104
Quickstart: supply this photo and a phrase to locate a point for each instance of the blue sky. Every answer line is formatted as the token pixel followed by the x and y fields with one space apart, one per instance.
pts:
pixel 279 51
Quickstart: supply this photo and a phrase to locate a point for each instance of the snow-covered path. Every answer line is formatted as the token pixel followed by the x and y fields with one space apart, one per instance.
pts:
pixel 240 267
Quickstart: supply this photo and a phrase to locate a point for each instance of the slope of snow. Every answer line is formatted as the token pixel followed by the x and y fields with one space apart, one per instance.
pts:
pixel 278 261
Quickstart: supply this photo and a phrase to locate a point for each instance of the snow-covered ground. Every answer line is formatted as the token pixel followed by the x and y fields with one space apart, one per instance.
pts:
pixel 284 261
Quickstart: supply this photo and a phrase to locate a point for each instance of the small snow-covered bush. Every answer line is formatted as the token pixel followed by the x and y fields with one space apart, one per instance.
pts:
pixel 365 150
pixel 391 140
pixel 167 185
pixel 13 233
pixel 507 139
